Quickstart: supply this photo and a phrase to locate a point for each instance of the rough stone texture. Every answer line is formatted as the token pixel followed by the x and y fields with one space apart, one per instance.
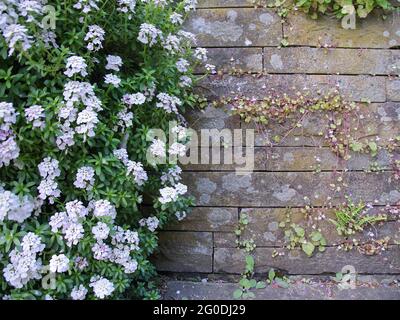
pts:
pixel 231 59
pixel 238 36
pixel 331 61
pixel 212 118
pixel 184 252
pixel 208 219
pixel 378 120
pixel 232 260
pixel 225 3
pixel 357 88
pixel 393 89
pixel 235 27
pixel 372 32
pixel 315 289
pixel 224 240
pixel 285 159
pixel 281 189
pixel 263 227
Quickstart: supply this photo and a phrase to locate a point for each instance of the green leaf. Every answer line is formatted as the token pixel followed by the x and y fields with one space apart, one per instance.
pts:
pixel 299 231
pixel 271 274
pixel 250 262
pixel 253 283
pixel 373 147
pixel 237 293
pixel 316 236
pixel 308 248
pixel 356 146
pixel 260 285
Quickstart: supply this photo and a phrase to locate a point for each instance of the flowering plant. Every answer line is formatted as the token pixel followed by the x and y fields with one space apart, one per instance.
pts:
pixel 82 83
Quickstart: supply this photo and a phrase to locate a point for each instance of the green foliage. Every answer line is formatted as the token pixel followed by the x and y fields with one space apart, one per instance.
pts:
pixel 281 281
pixel 36 76
pixel 296 237
pixel 351 218
pixel 342 7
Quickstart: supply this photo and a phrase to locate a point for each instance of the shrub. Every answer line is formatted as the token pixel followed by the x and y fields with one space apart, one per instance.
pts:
pixel 76 105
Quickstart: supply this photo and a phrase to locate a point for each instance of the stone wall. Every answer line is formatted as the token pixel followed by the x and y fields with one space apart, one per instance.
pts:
pixel 320 56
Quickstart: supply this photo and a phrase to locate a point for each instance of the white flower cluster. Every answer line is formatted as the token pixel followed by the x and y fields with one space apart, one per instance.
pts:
pixel 79 293
pixel 95 37
pixel 69 222
pixel 24 264
pixel 172 43
pixel 151 223
pixel 172 176
pixel 176 18
pixel 86 5
pixel 103 208
pixel 15 34
pixel 76 65
pixel 171 194
pixel 100 231
pixel 15 208
pixel 59 263
pixel 182 65
pixel 127 6
pixel 185 81
pixel 180 131
pixel 134 99
pixel 158 3
pixel 35 114
pixel 123 242
pixel 148 34
pixel 112 79
pixel 113 63
pixel 49 39
pixel 177 149
pixel 9 149
pixel 48 187
pixel 188 37
pixel 125 119
pixel 84 178
pixel 210 68
pixel 132 167
pixel 75 94
pixel 157 148
pixel 200 54
pixel 168 103
pixel 190 5
pixel 180 215
pixel 101 287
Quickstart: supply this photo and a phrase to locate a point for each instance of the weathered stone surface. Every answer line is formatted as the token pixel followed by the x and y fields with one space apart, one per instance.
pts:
pixel 208 219
pixel 225 3
pixel 371 32
pixel 235 27
pixel 230 59
pixel 331 61
pixel 224 240
pixel 281 189
pixel 393 89
pixel 375 120
pixel 263 227
pixel 184 252
pixel 357 88
pixel 231 260
pixel 286 159
pixel 368 288
pixel 212 118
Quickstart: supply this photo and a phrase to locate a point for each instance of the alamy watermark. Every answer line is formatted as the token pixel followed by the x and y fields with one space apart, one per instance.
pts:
pixel 212 146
